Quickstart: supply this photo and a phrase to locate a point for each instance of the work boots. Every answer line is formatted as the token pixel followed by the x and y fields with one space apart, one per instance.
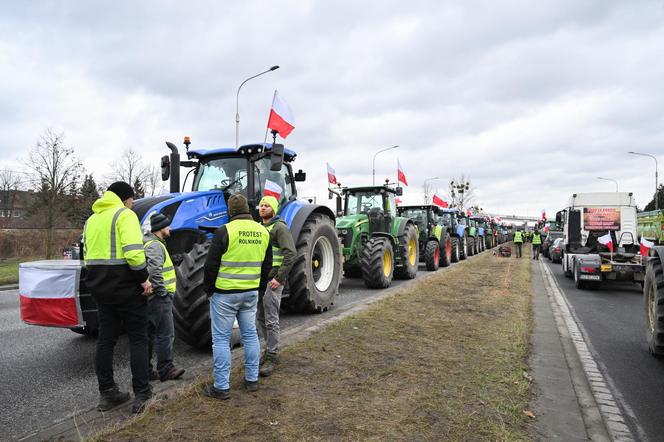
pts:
pixel 268 364
pixel 141 401
pixel 111 398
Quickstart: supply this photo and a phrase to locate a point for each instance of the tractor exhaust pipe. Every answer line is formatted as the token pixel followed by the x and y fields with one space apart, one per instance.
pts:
pixel 175 167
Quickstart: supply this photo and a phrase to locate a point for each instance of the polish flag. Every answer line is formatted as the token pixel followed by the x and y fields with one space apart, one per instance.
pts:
pixel 281 116
pixel 607 241
pixel 48 293
pixel 272 189
pixel 439 201
pixel 397 201
pixel 645 246
pixel 401 177
pixel 469 212
pixel 331 175
pixel 543 214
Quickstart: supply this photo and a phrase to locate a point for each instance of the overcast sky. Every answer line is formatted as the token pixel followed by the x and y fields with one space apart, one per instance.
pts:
pixel 531 100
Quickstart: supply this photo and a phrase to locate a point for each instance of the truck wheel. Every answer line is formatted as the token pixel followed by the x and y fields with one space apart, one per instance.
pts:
pixel 314 278
pixel 471 246
pixel 565 264
pixel 408 270
pixel 445 251
pixel 191 309
pixel 432 255
pixel 378 263
pixel 653 295
pixel 455 249
pixel 578 283
pixel 463 248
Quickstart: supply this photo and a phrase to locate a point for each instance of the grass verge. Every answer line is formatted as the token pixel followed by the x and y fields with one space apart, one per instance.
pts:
pixel 9 270
pixel 444 359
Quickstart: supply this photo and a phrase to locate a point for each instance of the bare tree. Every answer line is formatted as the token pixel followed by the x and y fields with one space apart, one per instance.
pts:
pixel 429 191
pixel 152 180
pixel 461 192
pixel 10 182
pixel 55 170
pixel 128 168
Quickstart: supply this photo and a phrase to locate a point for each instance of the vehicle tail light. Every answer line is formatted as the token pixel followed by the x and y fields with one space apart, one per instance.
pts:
pixel 588 269
pixel 557 249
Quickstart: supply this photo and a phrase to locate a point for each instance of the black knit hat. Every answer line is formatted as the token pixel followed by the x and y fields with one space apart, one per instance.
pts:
pixel 123 190
pixel 158 221
pixel 237 205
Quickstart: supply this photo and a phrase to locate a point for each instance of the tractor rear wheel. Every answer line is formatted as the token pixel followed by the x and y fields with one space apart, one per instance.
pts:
pixel 445 251
pixel 314 278
pixel 432 255
pixel 471 246
pixel 408 270
pixel 653 290
pixel 463 247
pixel 455 249
pixel 378 263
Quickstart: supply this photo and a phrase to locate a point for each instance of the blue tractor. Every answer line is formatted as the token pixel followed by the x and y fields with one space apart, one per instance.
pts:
pixel 216 174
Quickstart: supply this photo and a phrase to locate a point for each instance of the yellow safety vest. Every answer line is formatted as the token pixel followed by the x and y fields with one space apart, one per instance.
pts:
pixel 112 235
pixel 438 232
pixel 537 239
pixel 168 270
pixel 277 254
pixel 517 237
pixel 240 267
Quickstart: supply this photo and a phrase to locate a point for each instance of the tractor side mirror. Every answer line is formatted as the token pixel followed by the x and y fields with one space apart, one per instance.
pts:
pixel 399 191
pixel 277 157
pixel 165 168
pixel 340 211
pixel 300 176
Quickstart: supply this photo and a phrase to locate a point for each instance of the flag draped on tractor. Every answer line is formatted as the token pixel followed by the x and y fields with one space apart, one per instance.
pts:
pixel 645 246
pixel 281 117
pixel 272 189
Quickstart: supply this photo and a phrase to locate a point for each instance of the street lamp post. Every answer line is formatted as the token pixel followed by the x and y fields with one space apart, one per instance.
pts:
pixel 237 104
pixel 373 168
pixel 609 179
pixel 426 193
pixel 656 180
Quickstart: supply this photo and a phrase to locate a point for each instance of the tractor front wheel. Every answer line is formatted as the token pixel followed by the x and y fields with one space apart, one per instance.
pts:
pixel 408 270
pixel 445 251
pixel 455 249
pixel 432 255
pixel 378 263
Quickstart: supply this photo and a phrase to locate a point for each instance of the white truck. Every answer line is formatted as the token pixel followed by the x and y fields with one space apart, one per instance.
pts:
pixel 588 221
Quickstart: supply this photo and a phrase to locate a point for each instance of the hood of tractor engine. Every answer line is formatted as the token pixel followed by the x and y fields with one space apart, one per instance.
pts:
pixel 351 221
pixel 187 210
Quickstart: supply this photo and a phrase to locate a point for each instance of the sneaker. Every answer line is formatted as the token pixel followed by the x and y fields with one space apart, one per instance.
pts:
pixel 216 393
pixel 140 402
pixel 268 365
pixel 251 385
pixel 173 374
pixel 111 398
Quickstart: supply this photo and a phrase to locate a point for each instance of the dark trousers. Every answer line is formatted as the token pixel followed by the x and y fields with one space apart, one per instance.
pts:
pixel 161 333
pixel 518 249
pixel 536 251
pixel 113 319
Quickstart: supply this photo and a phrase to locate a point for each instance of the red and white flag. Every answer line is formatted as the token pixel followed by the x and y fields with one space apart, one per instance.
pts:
pixel 469 212
pixel 607 241
pixel 281 116
pixel 401 176
pixel 48 293
pixel 544 214
pixel 331 175
pixel 272 189
pixel 439 201
pixel 397 201
pixel 645 246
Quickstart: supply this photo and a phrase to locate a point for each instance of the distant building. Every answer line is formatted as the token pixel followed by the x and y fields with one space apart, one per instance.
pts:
pixel 16 213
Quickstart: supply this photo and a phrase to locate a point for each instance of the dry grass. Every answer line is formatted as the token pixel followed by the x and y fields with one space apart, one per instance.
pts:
pixel 442 360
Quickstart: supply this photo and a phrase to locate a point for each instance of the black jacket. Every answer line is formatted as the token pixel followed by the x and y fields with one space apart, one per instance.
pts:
pixel 218 247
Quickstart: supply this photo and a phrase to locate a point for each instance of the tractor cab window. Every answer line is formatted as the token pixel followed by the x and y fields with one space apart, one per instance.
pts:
pixel 445 219
pixel 419 216
pixel 364 202
pixel 222 174
pixel 391 204
pixel 279 182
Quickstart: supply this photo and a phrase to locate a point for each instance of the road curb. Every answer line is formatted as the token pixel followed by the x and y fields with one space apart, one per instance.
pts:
pixel 601 412
pixel 4 288
pixel 86 423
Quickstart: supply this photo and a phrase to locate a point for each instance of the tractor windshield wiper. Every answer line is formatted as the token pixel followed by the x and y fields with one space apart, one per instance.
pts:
pixel 235 181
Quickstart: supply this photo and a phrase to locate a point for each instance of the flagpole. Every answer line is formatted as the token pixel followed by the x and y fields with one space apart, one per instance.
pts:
pixel 268 116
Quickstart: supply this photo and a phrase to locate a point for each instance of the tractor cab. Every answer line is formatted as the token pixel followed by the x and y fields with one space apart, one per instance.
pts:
pixel 425 218
pixel 376 202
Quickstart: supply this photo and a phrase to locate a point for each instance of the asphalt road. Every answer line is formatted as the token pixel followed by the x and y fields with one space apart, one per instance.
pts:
pixel 613 318
pixel 48 374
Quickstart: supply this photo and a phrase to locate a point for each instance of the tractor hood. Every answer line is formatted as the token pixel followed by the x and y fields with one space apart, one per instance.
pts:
pixel 351 221
pixel 188 210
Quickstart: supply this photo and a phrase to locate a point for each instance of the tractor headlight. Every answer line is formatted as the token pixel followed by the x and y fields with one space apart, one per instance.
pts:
pixel 344 232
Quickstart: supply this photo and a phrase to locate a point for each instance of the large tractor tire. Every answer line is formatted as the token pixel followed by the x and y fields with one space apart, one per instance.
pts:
pixel 314 278
pixel 455 249
pixel 445 251
pixel 378 263
pixel 471 246
pixel 408 270
pixel 463 247
pixel 432 255
pixel 653 291
pixel 191 309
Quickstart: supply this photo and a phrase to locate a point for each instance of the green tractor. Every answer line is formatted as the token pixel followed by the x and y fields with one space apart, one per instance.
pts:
pixel 434 240
pixel 471 233
pixel 377 244
pixel 448 219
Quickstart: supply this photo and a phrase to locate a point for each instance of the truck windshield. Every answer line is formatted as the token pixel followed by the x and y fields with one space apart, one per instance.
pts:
pixel 229 173
pixel 362 202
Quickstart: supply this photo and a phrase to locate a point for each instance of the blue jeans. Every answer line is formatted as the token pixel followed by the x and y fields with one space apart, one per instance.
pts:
pixel 161 333
pixel 224 309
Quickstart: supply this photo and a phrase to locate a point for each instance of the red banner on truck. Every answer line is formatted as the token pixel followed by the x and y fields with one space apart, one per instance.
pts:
pixel 596 218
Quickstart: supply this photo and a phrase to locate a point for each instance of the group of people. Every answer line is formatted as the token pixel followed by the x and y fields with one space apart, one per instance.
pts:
pixel 535 237
pixel 133 281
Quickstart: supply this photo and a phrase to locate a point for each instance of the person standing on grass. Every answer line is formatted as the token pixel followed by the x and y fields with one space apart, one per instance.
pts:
pixel 518 242
pixel 237 264
pixel 537 243
pixel 269 299
pixel 161 333
pixel 117 277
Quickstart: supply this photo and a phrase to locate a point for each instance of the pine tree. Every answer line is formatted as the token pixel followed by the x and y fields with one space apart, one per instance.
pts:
pixel 87 194
pixel 139 192
pixel 660 198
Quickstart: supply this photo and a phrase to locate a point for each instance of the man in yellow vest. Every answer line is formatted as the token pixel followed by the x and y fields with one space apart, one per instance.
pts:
pixel 518 242
pixel 117 277
pixel 537 243
pixel 161 333
pixel 237 265
pixel 269 299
